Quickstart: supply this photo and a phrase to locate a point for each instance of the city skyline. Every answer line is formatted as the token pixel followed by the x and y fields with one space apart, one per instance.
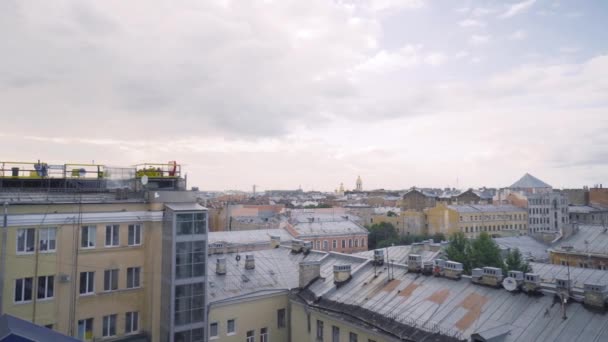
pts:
pixel 281 94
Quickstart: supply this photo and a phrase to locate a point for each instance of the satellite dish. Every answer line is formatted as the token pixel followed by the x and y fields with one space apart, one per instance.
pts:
pixel 509 284
pixel 144 180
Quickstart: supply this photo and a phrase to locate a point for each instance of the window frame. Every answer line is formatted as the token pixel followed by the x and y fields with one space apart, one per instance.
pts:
pixel 353 337
pixel 131 322
pixel 264 336
pixel 106 325
pixel 319 330
pixel 250 336
pixel 89 283
pixel 22 300
pixel 217 330
pixel 136 230
pixel 130 282
pixel 46 287
pixel 25 238
pixel 114 278
pixel 114 230
pixel 335 333
pixel 47 239
pixel 88 323
pixel 94 235
pixel 281 318
pixel 233 332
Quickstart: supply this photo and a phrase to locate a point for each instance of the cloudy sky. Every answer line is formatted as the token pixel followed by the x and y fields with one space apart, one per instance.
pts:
pixel 312 93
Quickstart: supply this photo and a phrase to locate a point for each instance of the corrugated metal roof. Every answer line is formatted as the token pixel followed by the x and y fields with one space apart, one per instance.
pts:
pixel 338 227
pixel 185 206
pixel 249 236
pixel 475 208
pixel 528 182
pixel 530 248
pixel 10 325
pixel 588 239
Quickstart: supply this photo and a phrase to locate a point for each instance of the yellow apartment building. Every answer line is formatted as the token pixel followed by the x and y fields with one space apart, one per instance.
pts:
pixel 496 220
pixel 95 261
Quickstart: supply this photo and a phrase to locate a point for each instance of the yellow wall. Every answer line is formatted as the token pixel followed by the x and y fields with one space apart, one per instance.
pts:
pixel 56 311
pixel 252 314
pixel 300 333
pixel 441 219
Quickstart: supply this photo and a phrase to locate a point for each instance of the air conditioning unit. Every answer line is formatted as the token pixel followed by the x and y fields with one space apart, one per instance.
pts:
pixel 64 278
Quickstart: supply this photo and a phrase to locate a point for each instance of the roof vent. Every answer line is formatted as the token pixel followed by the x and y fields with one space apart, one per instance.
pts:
pixel 249 262
pixel 220 266
pixel 452 269
pixel 341 274
pixel 306 247
pixel 296 245
pixel 531 282
pixel 596 295
pixel 308 272
pixel 378 257
pixel 562 283
pixel 414 262
pixel 275 241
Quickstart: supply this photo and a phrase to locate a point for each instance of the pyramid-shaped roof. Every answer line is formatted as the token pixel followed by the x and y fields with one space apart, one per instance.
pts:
pixel 528 181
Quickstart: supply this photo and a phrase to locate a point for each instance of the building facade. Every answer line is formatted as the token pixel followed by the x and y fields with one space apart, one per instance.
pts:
pixel 96 262
pixel 496 220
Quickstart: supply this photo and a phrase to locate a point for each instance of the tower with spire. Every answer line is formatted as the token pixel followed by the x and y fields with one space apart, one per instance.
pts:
pixel 359 186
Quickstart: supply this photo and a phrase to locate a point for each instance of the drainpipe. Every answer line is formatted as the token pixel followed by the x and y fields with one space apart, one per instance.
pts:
pixel 3 257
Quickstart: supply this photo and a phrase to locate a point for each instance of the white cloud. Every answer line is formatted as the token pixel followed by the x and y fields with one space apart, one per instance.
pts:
pixel 482 11
pixel 381 5
pixel 478 39
pixel 517 8
pixel 386 61
pixel 518 35
pixel 461 54
pixel 471 23
pixel 435 59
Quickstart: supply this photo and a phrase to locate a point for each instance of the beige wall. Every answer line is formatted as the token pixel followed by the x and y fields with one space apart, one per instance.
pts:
pixel 252 314
pixel 499 223
pixel 300 332
pixel 56 311
pixel 407 222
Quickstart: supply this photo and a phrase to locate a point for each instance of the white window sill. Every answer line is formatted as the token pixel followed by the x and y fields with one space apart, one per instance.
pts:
pixel 231 334
pixel 88 294
pixel 214 337
pixel 22 302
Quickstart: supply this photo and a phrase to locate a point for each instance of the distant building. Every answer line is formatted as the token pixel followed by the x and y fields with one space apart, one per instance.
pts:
pixel 586 248
pixel 496 220
pixel 418 200
pixel 547 209
pixel 359 185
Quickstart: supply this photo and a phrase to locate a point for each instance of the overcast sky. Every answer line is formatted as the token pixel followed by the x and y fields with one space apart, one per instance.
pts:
pixel 312 93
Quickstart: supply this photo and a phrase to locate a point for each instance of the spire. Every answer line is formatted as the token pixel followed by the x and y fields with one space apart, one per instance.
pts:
pixel 359 185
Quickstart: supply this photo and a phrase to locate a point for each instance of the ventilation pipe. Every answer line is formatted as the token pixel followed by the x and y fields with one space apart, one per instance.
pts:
pixel 220 266
pixel 249 262
pixel 308 272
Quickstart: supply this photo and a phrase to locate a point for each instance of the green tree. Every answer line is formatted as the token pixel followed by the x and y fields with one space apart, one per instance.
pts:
pixel 485 252
pixel 515 262
pixel 391 213
pixel 458 250
pixel 382 231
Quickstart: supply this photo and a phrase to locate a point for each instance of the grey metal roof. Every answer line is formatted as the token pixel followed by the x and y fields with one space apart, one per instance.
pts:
pixel 11 326
pixel 185 206
pixel 579 276
pixel 588 239
pixel 249 236
pixel 530 248
pixel 461 308
pixel 329 228
pixel 275 269
pixel 528 181
pixel 400 253
pixel 486 208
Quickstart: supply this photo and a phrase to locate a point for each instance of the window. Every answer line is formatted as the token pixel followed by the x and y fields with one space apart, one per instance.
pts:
pixel 264 335
pixel 362 242
pixel 85 329
pixel 26 240
pixel 189 303
pixel 334 244
pixel 281 318
pixel 112 234
pixel 251 336
pixel 88 237
pixel 352 337
pixel 194 335
pixel 335 334
pixel 343 243
pixel 188 224
pixel 231 326
pixel 47 238
pixel 319 330
pixel 325 245
pixel 350 243
pixel 110 280
pixel 318 244
pixel 23 290
pixel 190 259
pixel 109 326
pixel 213 330
pixel 356 243
pixel 134 234
pixel 131 322
pixel 46 287
pixel 133 274
pixel 87 282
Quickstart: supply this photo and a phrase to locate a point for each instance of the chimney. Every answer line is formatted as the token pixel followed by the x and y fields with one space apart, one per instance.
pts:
pixel 306 247
pixel 378 257
pixel 296 246
pixel 453 269
pixel 220 266
pixel 341 274
pixel 309 272
pixel 595 295
pixel 249 262
pixel 275 241
pixel 414 262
